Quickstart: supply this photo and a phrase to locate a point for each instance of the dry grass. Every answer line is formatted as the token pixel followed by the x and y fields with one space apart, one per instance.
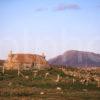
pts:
pixel 13 87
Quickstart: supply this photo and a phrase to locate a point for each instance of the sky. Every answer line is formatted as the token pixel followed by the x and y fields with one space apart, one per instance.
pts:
pixel 49 26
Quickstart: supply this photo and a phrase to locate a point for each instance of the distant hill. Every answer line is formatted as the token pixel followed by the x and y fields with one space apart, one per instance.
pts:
pixel 77 58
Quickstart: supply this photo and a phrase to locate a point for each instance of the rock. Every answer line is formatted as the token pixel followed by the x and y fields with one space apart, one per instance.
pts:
pixel 27 77
pixel 85 90
pixel 59 88
pixel 10 83
pixel 41 93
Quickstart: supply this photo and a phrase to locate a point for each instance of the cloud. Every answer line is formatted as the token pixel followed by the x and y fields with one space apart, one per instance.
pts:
pixel 62 7
pixel 40 9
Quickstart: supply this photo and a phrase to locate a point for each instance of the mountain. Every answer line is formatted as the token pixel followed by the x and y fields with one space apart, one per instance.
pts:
pixel 77 58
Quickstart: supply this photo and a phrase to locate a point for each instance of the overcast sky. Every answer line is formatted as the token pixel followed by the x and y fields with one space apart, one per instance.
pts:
pixel 49 26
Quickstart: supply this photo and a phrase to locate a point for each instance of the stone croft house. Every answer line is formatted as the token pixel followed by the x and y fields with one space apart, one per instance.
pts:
pixel 25 61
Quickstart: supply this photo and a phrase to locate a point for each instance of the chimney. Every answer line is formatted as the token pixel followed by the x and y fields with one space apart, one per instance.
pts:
pixel 10 53
pixel 43 55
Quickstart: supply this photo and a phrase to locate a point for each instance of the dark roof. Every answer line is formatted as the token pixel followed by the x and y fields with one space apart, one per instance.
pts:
pixel 2 62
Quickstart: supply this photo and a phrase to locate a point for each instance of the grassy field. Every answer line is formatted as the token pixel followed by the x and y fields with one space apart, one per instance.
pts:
pixel 31 86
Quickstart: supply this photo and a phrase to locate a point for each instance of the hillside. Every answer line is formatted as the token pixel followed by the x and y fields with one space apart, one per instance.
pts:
pixel 77 58
pixel 72 84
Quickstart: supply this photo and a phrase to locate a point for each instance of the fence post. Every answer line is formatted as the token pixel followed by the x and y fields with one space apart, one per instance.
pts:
pixel 3 70
pixel 18 71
